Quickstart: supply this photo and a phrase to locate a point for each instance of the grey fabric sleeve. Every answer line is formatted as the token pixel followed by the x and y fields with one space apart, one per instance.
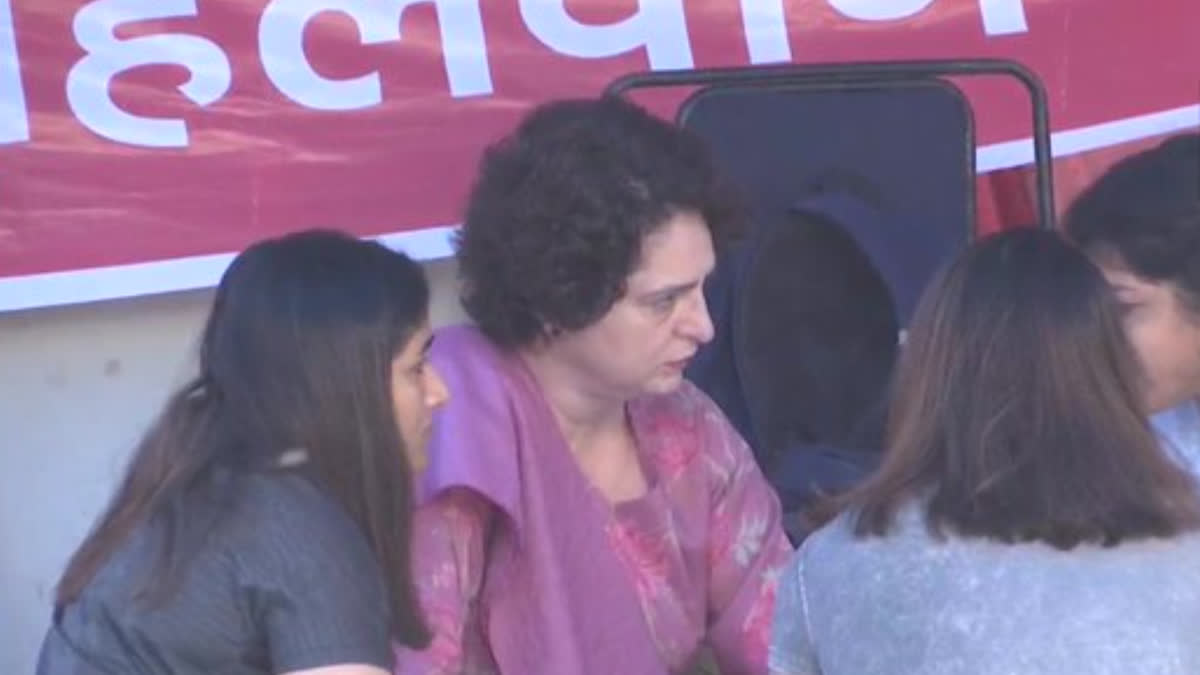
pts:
pixel 314 586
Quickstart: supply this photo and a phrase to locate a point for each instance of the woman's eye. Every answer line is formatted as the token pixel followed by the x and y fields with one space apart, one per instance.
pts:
pixel 663 304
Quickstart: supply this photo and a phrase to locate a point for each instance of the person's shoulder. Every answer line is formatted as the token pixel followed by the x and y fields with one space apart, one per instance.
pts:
pixel 456 513
pixel 1184 417
pixel 841 538
pixel 828 539
pixel 686 405
pixel 285 492
pixel 284 514
pixel 456 342
pixel 691 430
pixel 308 573
pixel 1179 430
pixel 472 366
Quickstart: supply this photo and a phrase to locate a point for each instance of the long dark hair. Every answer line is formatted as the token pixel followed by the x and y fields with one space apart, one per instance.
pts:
pixel 296 354
pixel 1017 409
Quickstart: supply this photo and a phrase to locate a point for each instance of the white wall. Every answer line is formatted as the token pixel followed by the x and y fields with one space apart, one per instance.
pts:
pixel 77 386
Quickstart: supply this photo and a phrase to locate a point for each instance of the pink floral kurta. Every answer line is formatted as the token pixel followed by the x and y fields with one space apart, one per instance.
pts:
pixel 700 552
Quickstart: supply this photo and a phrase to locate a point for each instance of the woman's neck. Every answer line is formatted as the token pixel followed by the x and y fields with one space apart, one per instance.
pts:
pixel 587 416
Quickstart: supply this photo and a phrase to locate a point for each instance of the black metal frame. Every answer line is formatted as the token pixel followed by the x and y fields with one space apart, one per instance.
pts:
pixel 874 72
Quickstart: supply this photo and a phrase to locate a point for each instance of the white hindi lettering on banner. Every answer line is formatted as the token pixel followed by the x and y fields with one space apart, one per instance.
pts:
pixel 1003 17
pixel 1000 17
pixel 880 10
pixel 281 47
pixel 764 23
pixel 14 119
pixel 88 81
pixel 658 25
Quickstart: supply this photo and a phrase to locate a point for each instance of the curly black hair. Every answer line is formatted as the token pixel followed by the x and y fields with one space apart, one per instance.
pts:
pixel 1146 210
pixel 555 221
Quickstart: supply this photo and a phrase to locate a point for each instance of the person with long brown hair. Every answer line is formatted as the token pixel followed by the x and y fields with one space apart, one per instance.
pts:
pixel 1024 518
pixel 263 525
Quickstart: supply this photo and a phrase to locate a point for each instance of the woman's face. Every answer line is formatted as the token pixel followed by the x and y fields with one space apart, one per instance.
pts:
pixel 647 338
pixel 417 390
pixel 1165 333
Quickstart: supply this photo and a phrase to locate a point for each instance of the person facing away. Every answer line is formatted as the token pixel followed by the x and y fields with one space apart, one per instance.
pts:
pixel 588 511
pixel 263 523
pixel 1024 518
pixel 1140 222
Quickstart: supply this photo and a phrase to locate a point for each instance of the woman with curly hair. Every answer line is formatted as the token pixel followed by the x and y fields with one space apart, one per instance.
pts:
pixel 587 510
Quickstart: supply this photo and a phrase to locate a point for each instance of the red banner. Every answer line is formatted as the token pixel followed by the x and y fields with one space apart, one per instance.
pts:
pixel 142 141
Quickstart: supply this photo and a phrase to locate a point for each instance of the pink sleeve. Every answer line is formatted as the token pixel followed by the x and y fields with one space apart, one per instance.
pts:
pixel 747 550
pixel 448 566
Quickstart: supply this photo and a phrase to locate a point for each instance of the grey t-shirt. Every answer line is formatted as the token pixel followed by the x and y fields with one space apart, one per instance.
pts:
pixel 908 603
pixel 288 582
